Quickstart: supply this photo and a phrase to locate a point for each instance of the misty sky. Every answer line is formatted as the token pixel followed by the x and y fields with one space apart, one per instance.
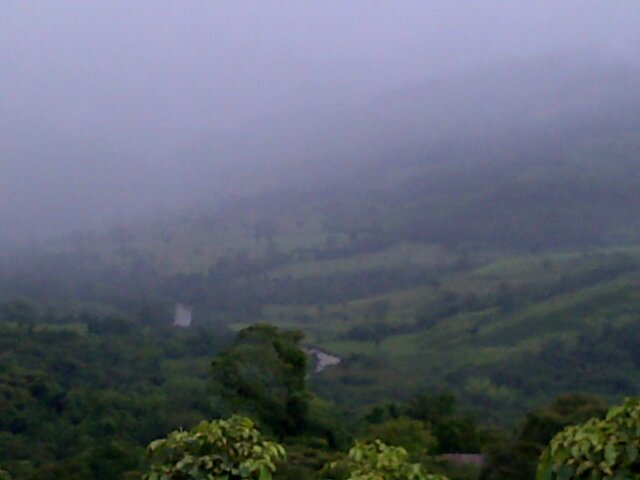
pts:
pixel 102 102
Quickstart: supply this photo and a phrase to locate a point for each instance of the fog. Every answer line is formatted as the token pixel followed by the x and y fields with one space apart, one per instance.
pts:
pixel 112 111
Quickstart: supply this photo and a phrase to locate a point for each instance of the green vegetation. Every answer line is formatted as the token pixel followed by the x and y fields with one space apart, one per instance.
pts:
pixel 598 449
pixel 263 374
pixel 231 449
pixel 458 302
pixel 82 392
pixel 518 456
pixel 377 461
pixel 81 403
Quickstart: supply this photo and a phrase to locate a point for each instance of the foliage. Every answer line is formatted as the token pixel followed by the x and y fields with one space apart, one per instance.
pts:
pixel 4 475
pixel 231 449
pixel 542 424
pixel 453 431
pixel 263 375
pixel 598 449
pixel 518 457
pixel 82 393
pixel 377 461
pixel 404 432
pixel 306 458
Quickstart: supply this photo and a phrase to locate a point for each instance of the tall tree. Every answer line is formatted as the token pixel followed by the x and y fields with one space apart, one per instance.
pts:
pixel 263 375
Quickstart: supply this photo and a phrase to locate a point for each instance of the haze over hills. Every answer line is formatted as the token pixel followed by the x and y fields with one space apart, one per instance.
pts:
pixel 356 255
pixel 460 119
pixel 411 221
pixel 555 147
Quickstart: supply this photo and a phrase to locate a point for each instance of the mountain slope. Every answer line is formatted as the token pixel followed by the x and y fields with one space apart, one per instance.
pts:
pixel 448 257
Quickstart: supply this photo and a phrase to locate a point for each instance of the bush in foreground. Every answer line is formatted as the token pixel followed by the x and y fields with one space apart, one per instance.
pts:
pixel 231 449
pixel 377 461
pixel 598 449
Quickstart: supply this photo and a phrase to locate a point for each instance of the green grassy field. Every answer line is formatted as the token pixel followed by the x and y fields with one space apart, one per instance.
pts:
pixel 414 359
pixel 399 255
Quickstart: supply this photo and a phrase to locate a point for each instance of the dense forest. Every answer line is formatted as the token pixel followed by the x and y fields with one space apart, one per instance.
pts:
pixel 84 393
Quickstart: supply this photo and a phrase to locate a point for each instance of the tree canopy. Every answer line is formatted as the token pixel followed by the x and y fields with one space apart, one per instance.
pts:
pixel 263 375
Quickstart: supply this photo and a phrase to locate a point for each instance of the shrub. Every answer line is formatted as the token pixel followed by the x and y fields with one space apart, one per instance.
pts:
pixel 377 461
pixel 221 449
pixel 597 449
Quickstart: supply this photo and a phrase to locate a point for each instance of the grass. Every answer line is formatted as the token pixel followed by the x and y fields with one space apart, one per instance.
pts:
pixel 412 359
pixel 398 255
pixel 431 359
pixel 558 315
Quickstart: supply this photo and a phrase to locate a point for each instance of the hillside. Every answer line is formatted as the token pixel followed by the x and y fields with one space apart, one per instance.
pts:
pixel 286 240
pixel 457 262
